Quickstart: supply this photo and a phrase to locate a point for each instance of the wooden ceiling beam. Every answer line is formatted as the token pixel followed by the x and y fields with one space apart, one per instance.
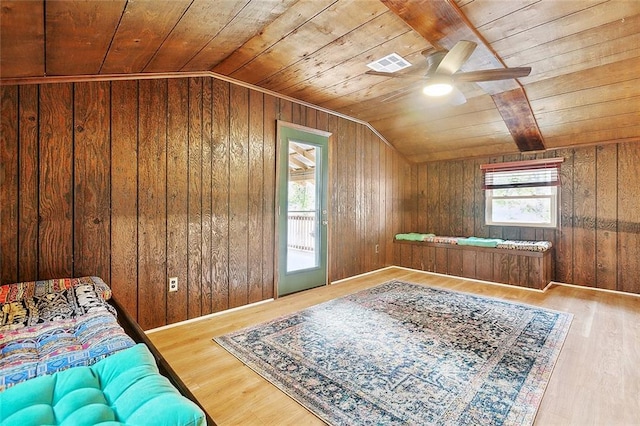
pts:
pixel 296 161
pixel 442 24
pixel 308 156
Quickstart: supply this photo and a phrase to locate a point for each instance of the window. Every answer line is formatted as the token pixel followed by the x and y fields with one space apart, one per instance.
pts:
pixel 523 193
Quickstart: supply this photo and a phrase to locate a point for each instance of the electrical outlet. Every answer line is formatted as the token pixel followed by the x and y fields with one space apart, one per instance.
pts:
pixel 377 248
pixel 173 284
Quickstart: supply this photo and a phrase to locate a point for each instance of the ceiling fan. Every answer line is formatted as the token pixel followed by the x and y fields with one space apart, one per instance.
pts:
pixel 442 72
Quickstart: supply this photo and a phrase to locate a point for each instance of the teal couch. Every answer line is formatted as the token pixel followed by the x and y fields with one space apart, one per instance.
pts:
pixel 122 389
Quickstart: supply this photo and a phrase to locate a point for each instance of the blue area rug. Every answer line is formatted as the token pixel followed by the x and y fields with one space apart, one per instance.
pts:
pixel 403 353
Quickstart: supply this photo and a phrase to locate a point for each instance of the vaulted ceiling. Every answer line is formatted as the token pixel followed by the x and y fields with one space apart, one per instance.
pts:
pixel 584 86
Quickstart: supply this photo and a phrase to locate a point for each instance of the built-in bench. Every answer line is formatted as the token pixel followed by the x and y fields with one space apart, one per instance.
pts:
pixel 532 269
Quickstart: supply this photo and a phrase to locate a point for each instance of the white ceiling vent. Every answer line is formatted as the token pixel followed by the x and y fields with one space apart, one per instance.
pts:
pixel 390 63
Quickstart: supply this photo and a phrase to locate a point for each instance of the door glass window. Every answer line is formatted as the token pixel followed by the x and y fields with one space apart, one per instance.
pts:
pixel 303 208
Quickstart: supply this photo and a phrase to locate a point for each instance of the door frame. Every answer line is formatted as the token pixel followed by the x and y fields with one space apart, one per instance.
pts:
pixel 276 267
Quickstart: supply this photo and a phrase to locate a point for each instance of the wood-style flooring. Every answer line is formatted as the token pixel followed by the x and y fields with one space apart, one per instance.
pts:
pixel 596 380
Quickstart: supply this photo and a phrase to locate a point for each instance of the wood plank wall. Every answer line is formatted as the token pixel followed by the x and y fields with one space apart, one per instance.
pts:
pixel 138 181
pixel 598 241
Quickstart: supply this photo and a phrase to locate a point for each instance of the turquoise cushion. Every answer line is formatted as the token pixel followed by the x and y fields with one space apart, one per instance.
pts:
pixel 480 242
pixel 123 389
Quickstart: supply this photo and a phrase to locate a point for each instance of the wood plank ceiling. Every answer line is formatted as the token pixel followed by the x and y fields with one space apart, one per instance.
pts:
pixel 584 87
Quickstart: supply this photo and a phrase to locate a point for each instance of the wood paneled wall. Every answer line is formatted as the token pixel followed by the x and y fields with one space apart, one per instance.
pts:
pixel 138 181
pixel 598 241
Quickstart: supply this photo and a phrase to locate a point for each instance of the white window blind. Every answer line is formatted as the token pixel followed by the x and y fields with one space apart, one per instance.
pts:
pixel 522 174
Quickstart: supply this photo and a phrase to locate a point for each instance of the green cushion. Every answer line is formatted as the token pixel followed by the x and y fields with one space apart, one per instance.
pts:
pixel 480 242
pixel 413 236
pixel 123 389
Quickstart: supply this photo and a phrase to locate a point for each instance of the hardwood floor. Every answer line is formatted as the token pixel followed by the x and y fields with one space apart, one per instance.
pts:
pixel 596 380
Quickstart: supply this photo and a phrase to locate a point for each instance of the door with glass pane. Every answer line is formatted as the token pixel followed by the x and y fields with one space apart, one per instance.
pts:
pixel 301 208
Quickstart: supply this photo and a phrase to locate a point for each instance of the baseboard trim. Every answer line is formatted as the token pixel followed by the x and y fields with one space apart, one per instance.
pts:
pixel 361 275
pixel 605 290
pixel 215 314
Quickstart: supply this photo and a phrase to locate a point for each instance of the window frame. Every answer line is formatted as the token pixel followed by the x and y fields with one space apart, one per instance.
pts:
pixel 523 168
pixel 553 209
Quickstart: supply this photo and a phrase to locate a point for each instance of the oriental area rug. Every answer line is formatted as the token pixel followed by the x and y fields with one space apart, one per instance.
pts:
pixel 408 354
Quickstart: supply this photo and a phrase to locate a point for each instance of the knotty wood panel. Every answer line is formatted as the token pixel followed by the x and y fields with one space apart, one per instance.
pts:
pixel 349 182
pixel 238 196
pixel 200 22
pixel 478 204
pixel 423 199
pixel 363 201
pixel 194 213
pixel 444 198
pixel 454 262
pixel 128 51
pixel 406 257
pixel 92 180
pixel 596 243
pixel 207 196
pixel 417 256
pixel 358 190
pixel 177 197
pixel 468 197
pixel 152 224
pixel 124 199
pixel 606 214
pixel 372 200
pixel 430 259
pixel 441 261
pixel 334 150
pixel 628 217
pixel 256 199
pixel 269 184
pixel 75 35
pixel 220 178
pixel 180 175
pixel 56 184
pixel 506 268
pixel 22 35
pixel 340 228
pixel 484 266
pixel 235 32
pixel 584 213
pixel 9 180
pixel 28 201
pixel 469 263
pixel 456 215
pixel 565 241
pixel 388 193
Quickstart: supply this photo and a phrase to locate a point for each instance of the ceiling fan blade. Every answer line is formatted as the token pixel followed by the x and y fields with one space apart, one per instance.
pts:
pixel 456 97
pixel 396 75
pixel 492 75
pixel 456 57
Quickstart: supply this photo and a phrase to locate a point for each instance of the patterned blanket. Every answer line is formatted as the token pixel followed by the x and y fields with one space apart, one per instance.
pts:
pixel 45 348
pixel 525 245
pixel 50 325
pixel 19 291
pixel 71 302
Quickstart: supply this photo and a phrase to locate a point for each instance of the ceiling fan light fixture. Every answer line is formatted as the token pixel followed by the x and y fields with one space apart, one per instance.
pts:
pixel 437 89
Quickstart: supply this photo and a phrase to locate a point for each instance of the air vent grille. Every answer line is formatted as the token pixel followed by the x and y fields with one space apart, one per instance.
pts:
pixel 390 63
